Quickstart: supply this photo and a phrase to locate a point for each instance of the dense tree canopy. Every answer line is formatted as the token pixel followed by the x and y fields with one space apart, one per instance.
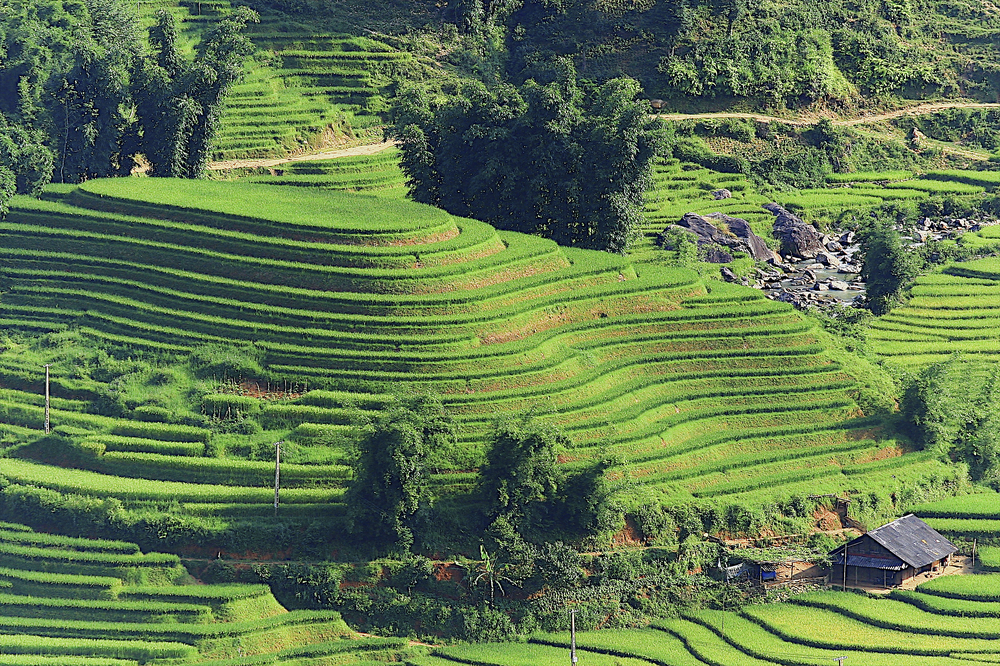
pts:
pixel 953 407
pixel 78 97
pixel 770 53
pixel 888 267
pixel 539 158
pixel 392 468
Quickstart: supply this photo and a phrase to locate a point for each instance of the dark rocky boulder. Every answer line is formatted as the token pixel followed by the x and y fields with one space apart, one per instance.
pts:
pixel 757 248
pixel 715 254
pixel 798 239
pixel 719 244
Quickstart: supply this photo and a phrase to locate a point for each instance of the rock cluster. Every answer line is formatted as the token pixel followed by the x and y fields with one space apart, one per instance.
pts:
pixel 812 269
pixel 719 236
pixel 797 238
pixel 945 227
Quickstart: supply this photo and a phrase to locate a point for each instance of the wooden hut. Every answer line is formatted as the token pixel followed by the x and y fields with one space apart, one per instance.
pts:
pixel 889 555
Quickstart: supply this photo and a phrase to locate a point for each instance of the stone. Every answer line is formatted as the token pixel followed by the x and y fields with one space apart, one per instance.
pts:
pixel 722 194
pixel 797 238
pixel 758 249
pixel 827 259
pixel 727 274
pixel 834 246
pixel 839 285
pixel 728 234
pixel 847 239
pixel 819 286
pixel 714 254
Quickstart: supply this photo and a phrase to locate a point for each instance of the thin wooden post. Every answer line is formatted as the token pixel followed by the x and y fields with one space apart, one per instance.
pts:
pixel 277 472
pixel 572 637
pixel 47 398
pixel 845 566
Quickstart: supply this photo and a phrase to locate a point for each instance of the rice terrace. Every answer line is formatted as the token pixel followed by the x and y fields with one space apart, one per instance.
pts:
pixel 499 332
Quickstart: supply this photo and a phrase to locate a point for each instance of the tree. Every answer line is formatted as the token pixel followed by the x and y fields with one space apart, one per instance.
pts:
pixel 491 572
pixel 540 158
pixel 178 103
pixel 888 267
pixel 952 406
pixel 25 164
pixel 520 477
pixel 391 470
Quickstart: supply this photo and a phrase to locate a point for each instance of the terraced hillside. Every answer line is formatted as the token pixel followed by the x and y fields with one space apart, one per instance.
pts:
pixel 954 310
pixel 306 87
pixel 969 517
pixel 372 174
pixel 681 187
pixel 79 602
pixel 948 621
pixel 705 390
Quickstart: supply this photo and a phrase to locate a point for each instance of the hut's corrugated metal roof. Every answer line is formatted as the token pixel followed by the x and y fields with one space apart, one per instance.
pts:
pixel 910 539
pixel 894 564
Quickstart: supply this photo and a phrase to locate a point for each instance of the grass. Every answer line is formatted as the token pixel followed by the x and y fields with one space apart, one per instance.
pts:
pixel 914 627
pixel 102 620
pixel 705 391
pixel 954 311
pixel 869 176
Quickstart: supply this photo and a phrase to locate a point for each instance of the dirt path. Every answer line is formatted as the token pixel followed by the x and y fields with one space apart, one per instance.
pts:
pixel 372 148
pixel 915 110
pixel 325 154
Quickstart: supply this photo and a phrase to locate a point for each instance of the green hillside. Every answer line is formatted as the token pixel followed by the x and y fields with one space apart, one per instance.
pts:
pixel 702 389
pixel 947 312
pixel 312 84
pixel 82 602
pixel 948 621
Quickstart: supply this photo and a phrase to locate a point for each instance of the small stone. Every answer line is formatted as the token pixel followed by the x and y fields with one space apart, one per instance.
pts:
pixel 722 194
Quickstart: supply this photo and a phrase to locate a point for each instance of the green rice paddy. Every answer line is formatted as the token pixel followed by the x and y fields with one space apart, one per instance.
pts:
pixel 126 610
pixel 939 624
pixel 705 390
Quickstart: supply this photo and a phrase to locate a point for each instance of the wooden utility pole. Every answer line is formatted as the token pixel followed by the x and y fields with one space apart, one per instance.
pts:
pixel 845 567
pixel 277 472
pixel 973 546
pixel 840 660
pixel 47 398
pixel 572 637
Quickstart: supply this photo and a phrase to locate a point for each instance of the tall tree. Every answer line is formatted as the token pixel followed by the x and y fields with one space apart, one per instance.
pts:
pixel 540 158
pixel 179 102
pixel 520 477
pixel 25 163
pixel 391 470
pixel 888 267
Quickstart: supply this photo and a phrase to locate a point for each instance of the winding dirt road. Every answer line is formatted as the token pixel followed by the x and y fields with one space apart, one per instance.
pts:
pixel 802 120
pixel 916 110
pixel 325 154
